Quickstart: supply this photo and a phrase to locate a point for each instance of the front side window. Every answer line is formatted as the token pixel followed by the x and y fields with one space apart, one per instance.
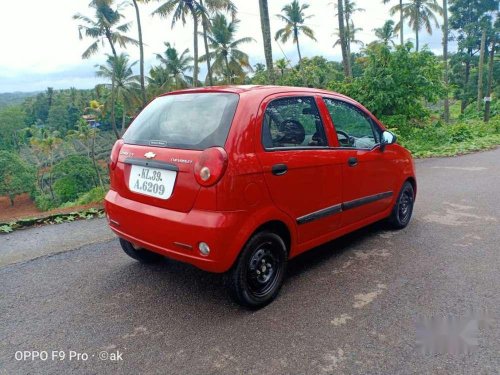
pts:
pixel 354 128
pixel 293 122
pixel 189 121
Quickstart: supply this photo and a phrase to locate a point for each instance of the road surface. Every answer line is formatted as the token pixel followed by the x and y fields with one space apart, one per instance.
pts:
pixel 349 307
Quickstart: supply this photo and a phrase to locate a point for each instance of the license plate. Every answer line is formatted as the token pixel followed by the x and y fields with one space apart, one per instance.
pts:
pixel 158 183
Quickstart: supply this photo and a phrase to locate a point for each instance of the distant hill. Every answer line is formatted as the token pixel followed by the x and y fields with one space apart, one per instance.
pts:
pixel 12 98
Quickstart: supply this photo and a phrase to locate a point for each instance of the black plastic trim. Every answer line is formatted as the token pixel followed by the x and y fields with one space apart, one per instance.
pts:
pixel 152 164
pixel 332 210
pixel 338 208
pixel 365 200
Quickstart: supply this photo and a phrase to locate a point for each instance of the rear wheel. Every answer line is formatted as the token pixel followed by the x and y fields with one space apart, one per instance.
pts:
pixel 140 254
pixel 256 278
pixel 403 208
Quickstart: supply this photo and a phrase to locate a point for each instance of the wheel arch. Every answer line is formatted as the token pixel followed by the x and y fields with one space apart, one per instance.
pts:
pixel 278 227
pixel 413 183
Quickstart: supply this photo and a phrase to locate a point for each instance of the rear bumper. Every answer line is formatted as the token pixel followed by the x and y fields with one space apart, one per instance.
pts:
pixel 177 234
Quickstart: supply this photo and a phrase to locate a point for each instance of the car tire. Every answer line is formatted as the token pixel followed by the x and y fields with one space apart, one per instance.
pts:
pixel 403 208
pixel 142 255
pixel 257 276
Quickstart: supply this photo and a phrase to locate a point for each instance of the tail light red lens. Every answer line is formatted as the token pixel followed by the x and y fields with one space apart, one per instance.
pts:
pixel 210 166
pixel 115 153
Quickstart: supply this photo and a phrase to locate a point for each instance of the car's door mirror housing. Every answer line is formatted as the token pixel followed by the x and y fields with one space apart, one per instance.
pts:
pixel 387 138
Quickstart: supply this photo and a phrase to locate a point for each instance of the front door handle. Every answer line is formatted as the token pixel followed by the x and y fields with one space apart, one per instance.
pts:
pixel 352 161
pixel 279 169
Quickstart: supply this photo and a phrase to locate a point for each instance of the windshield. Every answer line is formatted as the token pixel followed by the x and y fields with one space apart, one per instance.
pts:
pixel 189 121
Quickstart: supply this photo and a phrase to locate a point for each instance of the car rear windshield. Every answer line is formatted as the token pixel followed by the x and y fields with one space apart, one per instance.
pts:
pixel 189 121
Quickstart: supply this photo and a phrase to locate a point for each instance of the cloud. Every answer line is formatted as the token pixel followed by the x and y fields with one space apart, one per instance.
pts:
pixel 42 47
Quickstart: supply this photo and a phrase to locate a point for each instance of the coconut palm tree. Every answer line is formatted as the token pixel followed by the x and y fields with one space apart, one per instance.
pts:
pixel 105 26
pixel 281 64
pixel 351 36
pixel 294 19
pixel 446 113
pixel 420 13
pixel 228 60
pixel 213 6
pixel 176 66
pixel 180 9
pixel 343 36
pixel 349 9
pixel 124 83
pixel 141 48
pixel 159 81
pixel 266 36
pixel 401 19
pixel 386 33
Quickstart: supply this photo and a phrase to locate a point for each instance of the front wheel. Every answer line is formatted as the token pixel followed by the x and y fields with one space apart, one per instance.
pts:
pixel 403 208
pixel 256 278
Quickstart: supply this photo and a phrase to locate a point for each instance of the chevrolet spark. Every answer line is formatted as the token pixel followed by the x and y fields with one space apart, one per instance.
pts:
pixel 241 179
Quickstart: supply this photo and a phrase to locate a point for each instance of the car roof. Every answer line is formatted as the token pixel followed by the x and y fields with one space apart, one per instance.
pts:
pixel 264 90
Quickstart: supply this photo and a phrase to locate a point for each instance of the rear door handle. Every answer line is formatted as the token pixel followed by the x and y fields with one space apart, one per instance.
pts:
pixel 279 169
pixel 352 161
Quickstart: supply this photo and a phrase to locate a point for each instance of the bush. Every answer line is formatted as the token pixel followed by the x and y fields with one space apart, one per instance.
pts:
pixel 44 202
pixel 459 133
pixel 95 195
pixel 16 177
pixel 73 175
pixel 396 82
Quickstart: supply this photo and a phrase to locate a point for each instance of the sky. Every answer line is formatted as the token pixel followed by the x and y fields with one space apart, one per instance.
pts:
pixel 40 47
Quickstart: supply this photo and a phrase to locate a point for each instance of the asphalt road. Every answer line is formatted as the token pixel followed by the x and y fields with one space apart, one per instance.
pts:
pixel 349 307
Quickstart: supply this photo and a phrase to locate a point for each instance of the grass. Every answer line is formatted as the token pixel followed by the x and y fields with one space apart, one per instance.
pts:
pixel 433 138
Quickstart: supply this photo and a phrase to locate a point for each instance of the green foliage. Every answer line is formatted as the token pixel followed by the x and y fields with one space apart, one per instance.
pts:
pixel 94 195
pixel 315 72
pixel 396 83
pixel 73 175
pixel 12 120
pixel 16 177
pixel 433 138
pixel 45 202
pixel 6 228
pixel 52 219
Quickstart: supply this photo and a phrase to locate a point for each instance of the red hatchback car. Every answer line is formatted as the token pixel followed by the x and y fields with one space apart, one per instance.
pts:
pixel 241 179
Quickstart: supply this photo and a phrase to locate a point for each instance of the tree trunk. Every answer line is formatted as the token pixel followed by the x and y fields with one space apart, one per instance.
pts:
pixel 487 106
pixel 141 52
pixel 123 118
pixel 228 76
pixel 348 38
pixel 205 26
pixel 207 51
pixel 195 48
pixel 417 27
pixel 446 114
pixel 266 36
pixel 296 35
pixel 466 82
pixel 11 198
pixel 481 71
pixel 343 44
pixel 401 21
pixel 110 41
pixel 94 161
pixel 113 119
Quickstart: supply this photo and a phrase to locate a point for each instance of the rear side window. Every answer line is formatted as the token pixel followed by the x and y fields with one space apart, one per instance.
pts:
pixel 293 122
pixel 189 121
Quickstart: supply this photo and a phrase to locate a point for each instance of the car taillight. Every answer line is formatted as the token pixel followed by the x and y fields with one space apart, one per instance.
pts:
pixel 115 153
pixel 210 166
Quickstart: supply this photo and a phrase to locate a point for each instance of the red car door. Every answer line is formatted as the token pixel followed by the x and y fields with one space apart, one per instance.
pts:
pixel 368 173
pixel 301 171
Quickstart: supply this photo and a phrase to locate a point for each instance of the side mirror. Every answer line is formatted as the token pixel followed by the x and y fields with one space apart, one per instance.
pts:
pixel 387 138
